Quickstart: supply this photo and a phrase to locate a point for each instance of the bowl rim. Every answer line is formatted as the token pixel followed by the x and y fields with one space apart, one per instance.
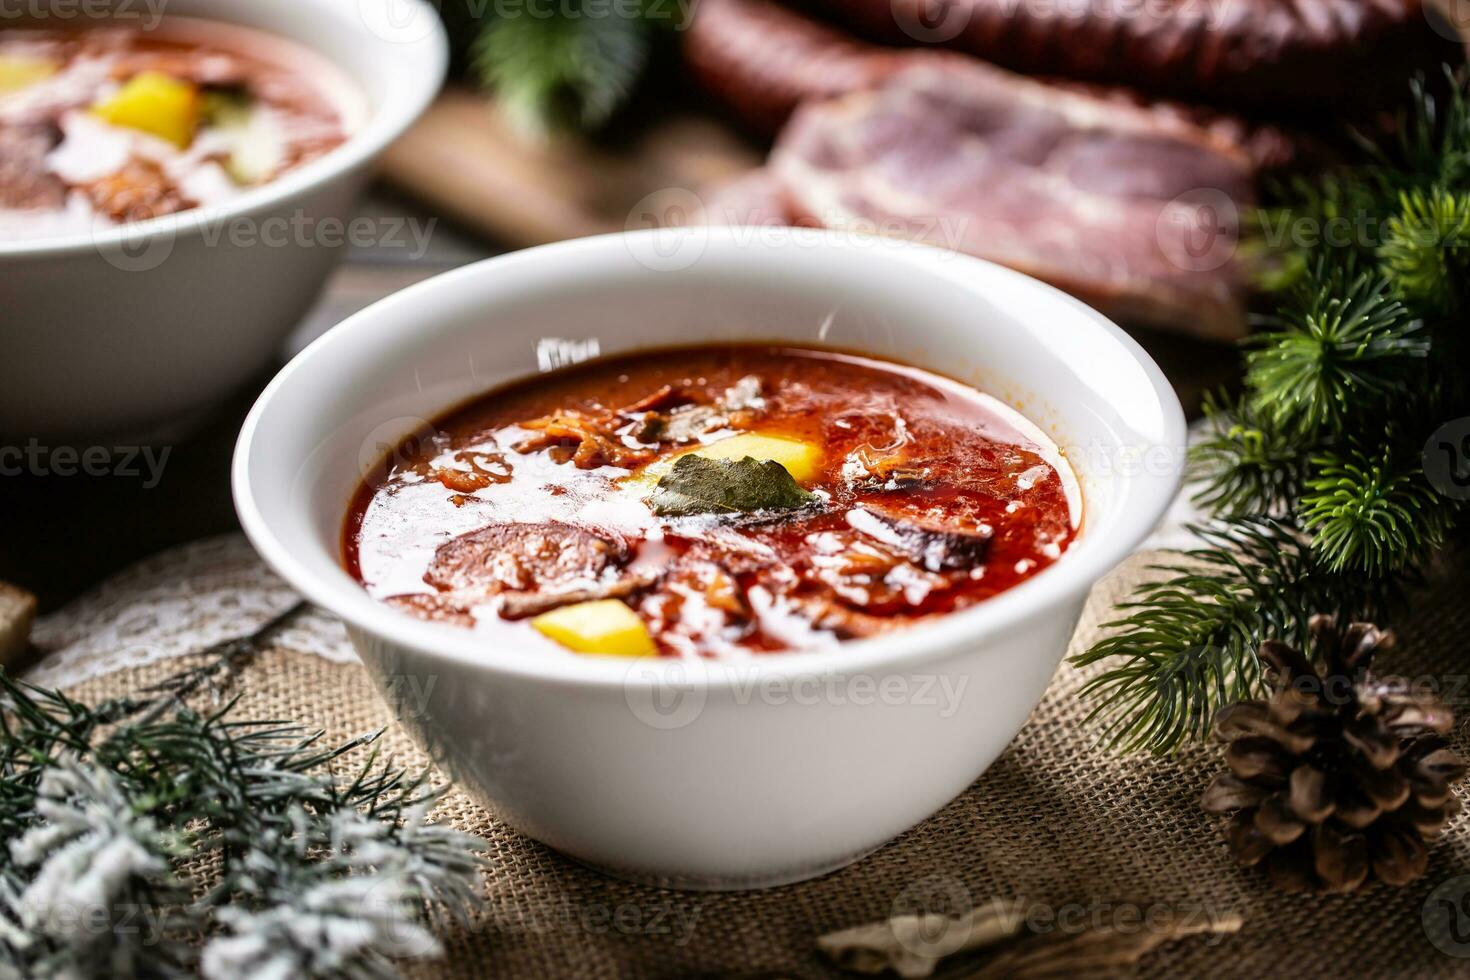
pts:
pixel 1149 498
pixel 383 125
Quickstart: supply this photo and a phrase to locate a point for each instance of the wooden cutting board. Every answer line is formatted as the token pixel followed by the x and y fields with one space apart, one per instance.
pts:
pixel 464 159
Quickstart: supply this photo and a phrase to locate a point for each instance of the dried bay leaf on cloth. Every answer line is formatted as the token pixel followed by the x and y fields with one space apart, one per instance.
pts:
pixel 912 945
pixel 1094 952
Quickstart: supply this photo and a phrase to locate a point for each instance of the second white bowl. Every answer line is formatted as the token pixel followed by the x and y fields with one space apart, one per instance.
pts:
pixel 131 332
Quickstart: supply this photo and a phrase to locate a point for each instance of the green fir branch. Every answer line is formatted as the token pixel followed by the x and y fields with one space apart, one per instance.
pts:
pixel 566 67
pixel 1243 464
pixel 1341 214
pixel 1318 470
pixel 1342 344
pixel 1187 644
pixel 1432 147
pixel 1425 253
pixel 1333 217
pixel 1372 513
pixel 117 806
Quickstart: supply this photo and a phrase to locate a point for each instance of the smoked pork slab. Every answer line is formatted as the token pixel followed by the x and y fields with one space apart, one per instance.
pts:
pixel 1133 213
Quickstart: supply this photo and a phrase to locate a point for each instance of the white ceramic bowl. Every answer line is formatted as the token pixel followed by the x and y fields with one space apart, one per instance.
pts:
pixel 131 330
pixel 708 774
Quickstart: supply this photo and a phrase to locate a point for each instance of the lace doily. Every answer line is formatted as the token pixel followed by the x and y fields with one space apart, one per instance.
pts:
pixel 177 602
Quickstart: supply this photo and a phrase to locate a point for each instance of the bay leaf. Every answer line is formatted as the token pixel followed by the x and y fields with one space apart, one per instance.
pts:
pixel 697 485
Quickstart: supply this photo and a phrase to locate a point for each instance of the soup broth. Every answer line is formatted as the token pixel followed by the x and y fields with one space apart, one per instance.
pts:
pixel 107 125
pixel 712 501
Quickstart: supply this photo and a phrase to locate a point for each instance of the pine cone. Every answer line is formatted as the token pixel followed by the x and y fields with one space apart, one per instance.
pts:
pixel 1339 775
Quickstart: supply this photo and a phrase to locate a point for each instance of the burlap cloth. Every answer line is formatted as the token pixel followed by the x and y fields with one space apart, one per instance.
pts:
pixel 1056 819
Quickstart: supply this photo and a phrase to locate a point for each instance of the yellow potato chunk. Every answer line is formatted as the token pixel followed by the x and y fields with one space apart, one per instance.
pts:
pixel 155 103
pixel 801 459
pixel 19 70
pixel 606 626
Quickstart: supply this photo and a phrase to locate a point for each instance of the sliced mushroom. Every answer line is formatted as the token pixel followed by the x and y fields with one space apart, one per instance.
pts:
pixel 686 423
pixel 868 575
pixel 935 546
